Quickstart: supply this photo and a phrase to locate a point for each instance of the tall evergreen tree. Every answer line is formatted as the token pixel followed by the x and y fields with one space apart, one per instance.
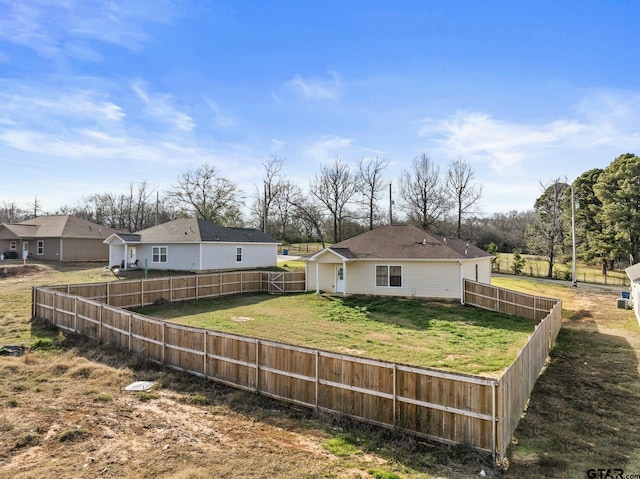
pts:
pixel 618 188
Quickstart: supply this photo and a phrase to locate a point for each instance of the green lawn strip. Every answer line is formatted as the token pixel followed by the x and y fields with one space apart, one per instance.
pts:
pixel 422 333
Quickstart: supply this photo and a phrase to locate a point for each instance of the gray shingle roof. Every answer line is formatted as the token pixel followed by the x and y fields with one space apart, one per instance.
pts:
pixel 191 230
pixel 55 226
pixel 405 242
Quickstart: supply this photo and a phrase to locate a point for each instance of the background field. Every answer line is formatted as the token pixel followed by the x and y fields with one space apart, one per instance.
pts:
pixel 63 413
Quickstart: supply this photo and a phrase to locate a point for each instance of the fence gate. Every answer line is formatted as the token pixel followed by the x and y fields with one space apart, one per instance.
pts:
pixel 276 282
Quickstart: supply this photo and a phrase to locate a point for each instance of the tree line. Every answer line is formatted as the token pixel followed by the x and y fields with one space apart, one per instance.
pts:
pixel 602 206
pixel 341 201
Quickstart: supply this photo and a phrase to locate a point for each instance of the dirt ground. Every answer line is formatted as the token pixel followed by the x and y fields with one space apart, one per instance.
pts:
pixel 64 412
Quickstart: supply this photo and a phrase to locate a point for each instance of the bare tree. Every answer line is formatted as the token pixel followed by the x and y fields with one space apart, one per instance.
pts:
pixel 209 196
pixel 546 234
pixel 334 189
pixel 308 212
pixel 461 190
pixel 369 177
pixel 422 192
pixel 266 194
pixel 10 213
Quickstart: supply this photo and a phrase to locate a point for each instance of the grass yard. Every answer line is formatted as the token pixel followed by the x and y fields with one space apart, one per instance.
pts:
pixel 421 333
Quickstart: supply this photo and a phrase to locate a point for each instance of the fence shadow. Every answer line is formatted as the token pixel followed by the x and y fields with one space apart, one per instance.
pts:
pixel 584 411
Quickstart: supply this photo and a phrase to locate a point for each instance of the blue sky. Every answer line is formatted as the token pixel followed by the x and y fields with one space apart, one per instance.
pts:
pixel 95 95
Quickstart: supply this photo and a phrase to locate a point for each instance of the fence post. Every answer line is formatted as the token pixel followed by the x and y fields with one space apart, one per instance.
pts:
pixel 197 286
pixel 164 345
pixel 317 380
pixel 100 338
pixel 171 288
pixel 34 292
pixel 257 365
pixel 55 309
pixel 494 434
pixel 108 298
pixel 130 331
pixel 141 292
pixel 395 394
pixel 75 314
pixel 204 349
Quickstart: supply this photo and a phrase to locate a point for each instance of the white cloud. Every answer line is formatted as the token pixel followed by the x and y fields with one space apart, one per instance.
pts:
pixel 328 148
pixel 29 107
pixel 315 88
pixel 57 30
pixel 221 118
pixel 601 120
pixel 160 107
pixel 502 144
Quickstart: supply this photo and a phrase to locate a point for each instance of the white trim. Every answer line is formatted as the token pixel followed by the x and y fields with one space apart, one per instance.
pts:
pixel 160 254
pixel 389 285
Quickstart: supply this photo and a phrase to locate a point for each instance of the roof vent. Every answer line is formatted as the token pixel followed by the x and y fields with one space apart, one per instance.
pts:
pixel 444 239
pixel 424 241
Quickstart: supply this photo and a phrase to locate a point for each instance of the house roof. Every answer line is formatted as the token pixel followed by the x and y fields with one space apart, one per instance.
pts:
pixel 65 226
pixel 405 242
pixel 192 230
pixel 633 272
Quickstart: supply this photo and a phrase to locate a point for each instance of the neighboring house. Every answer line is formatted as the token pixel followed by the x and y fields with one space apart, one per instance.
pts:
pixel 189 244
pixel 398 260
pixel 634 296
pixel 56 238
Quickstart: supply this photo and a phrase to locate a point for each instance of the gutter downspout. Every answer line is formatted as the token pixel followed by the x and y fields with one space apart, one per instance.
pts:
pixel 461 283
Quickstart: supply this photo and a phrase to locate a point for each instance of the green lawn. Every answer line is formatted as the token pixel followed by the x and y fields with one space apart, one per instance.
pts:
pixel 422 333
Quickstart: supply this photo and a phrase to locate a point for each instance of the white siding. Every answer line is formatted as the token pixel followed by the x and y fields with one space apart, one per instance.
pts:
pixel 419 279
pixel 484 270
pixel 181 257
pixel 223 255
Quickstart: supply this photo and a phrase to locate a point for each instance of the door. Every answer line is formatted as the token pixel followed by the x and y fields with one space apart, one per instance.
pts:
pixel 25 250
pixel 339 279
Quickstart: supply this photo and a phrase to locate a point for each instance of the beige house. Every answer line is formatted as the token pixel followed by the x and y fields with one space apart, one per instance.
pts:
pixel 398 260
pixel 55 238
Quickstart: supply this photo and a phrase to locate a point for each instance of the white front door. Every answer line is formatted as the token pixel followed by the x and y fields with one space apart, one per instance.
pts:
pixel 25 250
pixel 339 279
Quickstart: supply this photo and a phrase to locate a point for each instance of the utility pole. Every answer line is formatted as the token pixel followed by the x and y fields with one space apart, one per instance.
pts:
pixel 573 234
pixel 390 206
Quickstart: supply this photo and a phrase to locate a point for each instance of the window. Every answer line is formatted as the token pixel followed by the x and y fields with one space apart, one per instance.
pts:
pixel 238 254
pixel 13 246
pixel 159 254
pixel 40 249
pixel 389 276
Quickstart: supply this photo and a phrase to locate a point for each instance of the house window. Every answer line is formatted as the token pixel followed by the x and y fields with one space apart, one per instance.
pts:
pixel 238 254
pixel 40 249
pixel 389 276
pixel 13 246
pixel 159 254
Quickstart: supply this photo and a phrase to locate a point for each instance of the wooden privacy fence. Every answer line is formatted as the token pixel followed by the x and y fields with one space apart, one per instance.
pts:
pixel 446 407
pixel 136 293
pixel 517 381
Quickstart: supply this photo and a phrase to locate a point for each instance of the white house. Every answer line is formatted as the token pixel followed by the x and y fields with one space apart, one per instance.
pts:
pixel 633 272
pixel 189 244
pixel 398 260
